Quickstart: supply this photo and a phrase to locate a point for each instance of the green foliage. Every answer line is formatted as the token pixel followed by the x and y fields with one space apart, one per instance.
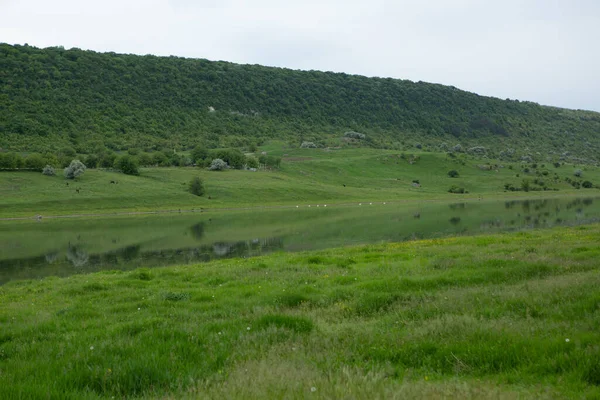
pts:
pixel 587 184
pixel 196 186
pixel 457 189
pixel 35 162
pixel 127 165
pixel 108 160
pixel 75 169
pixel 11 161
pixel 199 154
pixel 453 173
pixel 578 173
pixel 269 161
pixel 525 185
pixel 251 162
pixel 87 102
pixel 233 157
pixel 92 161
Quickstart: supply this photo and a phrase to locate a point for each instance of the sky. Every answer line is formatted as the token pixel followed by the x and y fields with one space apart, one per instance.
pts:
pixel 546 51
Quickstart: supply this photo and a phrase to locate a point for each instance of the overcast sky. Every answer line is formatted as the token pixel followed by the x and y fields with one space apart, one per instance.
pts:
pixel 547 51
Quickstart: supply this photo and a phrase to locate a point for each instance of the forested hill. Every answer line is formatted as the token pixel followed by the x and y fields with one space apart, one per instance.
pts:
pixel 51 98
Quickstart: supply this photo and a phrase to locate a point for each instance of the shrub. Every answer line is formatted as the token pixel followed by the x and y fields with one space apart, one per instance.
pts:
pixel 108 160
pixel 196 186
pixel 477 150
pixel 453 173
pixel 587 184
pixel 233 157
pixel 75 169
pixel 145 159
pixel 251 162
pixel 308 145
pixel 578 173
pixel 127 165
pixel 457 189
pixel 354 135
pixel 525 185
pixel 48 170
pixel 218 165
pixel 91 161
pixel 457 148
pixel 199 154
pixel 35 161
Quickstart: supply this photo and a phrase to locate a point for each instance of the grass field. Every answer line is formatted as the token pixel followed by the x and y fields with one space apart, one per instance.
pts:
pixel 498 316
pixel 307 176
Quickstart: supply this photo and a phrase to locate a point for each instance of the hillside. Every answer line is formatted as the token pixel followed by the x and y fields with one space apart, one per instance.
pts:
pixel 54 98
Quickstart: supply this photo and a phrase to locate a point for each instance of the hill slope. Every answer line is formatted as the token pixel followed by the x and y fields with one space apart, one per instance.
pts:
pixel 55 97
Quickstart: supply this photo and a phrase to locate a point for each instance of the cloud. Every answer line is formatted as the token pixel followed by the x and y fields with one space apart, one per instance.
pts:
pixel 535 50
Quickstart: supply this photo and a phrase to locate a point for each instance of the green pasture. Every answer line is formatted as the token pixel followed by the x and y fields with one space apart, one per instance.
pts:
pixel 496 316
pixel 307 176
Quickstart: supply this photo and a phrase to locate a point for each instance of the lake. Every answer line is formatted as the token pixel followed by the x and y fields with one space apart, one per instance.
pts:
pixel 62 247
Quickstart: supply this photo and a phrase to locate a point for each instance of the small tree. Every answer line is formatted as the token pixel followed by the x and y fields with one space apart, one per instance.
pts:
pixel 251 162
pixel 525 185
pixel 217 165
pixel 453 173
pixel 75 169
pixel 578 173
pixel 48 170
pixel 196 186
pixel 199 154
pixel 35 161
pixel 587 184
pixel 127 165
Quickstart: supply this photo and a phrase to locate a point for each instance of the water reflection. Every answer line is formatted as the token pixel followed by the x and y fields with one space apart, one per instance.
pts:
pixel 159 241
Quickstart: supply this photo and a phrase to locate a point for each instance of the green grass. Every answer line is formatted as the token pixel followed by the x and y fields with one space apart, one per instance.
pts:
pixel 500 316
pixel 307 176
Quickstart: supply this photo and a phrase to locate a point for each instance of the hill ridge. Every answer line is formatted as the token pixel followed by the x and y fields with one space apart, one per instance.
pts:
pixel 52 98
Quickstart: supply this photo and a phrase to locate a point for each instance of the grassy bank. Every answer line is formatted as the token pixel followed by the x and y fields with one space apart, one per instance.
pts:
pixel 307 176
pixel 508 315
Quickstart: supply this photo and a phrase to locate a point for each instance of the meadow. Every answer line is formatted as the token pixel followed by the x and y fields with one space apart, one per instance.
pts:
pixel 512 315
pixel 307 176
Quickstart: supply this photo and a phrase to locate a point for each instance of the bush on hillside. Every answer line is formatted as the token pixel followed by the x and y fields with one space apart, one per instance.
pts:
pixel 196 186
pixel 48 171
pixel 457 189
pixel 35 162
pixel 354 135
pixel 308 145
pixel 233 157
pixel 587 184
pixel 75 169
pixel 218 165
pixel 453 173
pixel 127 165
pixel 578 173
pixel 251 162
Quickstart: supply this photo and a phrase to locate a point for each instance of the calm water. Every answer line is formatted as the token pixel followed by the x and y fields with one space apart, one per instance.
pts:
pixel 31 250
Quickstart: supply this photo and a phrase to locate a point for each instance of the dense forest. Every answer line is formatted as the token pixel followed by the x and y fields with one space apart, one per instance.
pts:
pixel 53 98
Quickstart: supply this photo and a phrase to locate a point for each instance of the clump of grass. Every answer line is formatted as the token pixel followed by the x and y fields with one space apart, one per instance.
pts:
pixel 291 300
pixel 94 287
pixel 371 304
pixel 142 274
pixel 171 296
pixel 293 323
